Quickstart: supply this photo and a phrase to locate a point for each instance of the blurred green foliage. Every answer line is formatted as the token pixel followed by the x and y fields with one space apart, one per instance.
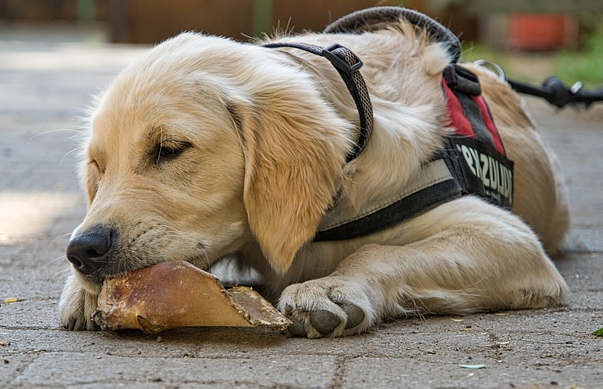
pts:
pixel 585 66
pixel 262 17
pixel 473 51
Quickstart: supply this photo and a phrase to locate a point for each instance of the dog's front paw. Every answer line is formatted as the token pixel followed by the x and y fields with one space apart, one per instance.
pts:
pixel 329 306
pixel 76 306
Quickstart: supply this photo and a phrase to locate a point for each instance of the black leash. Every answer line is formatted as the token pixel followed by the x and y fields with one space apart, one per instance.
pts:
pixel 558 94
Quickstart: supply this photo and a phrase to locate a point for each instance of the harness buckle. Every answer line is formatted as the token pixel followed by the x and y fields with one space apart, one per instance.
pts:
pixel 339 59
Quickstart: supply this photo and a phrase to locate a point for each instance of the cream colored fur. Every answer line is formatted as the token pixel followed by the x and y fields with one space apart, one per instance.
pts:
pixel 270 130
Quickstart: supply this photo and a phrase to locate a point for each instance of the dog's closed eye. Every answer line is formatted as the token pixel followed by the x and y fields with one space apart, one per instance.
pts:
pixel 169 150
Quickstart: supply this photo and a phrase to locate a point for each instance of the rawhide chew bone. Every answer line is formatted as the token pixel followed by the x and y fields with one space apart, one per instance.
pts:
pixel 177 294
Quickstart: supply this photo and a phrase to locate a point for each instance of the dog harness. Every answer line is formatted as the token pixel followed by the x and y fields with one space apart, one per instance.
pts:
pixel 472 160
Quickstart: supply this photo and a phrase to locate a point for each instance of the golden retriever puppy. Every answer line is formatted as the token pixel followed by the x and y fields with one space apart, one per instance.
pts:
pixel 207 147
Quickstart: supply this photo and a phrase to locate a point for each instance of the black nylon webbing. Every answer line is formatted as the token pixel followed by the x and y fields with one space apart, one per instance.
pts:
pixel 377 18
pixel 397 212
pixel 347 65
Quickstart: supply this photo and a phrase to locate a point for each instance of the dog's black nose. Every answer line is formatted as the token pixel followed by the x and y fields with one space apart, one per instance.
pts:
pixel 88 251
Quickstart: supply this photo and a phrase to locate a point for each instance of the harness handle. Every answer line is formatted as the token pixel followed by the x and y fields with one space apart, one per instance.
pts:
pixel 375 18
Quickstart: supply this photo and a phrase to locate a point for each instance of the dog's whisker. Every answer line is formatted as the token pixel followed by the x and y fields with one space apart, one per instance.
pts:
pixel 55 131
pixel 61 273
pixel 57 259
pixel 68 153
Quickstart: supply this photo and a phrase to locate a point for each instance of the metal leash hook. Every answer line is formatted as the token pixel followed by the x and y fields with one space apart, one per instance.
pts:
pixel 576 89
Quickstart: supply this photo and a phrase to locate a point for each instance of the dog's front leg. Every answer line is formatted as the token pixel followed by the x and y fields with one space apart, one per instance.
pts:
pixel 489 263
pixel 77 304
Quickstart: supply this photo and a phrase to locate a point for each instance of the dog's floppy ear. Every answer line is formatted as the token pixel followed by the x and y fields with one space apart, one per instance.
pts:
pixel 295 149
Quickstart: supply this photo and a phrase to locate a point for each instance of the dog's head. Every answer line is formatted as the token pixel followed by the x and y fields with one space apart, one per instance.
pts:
pixel 199 147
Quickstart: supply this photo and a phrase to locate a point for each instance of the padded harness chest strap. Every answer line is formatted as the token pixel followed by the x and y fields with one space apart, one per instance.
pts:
pixel 432 186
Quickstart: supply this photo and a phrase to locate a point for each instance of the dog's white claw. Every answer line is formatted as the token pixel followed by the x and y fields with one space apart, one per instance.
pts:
pixel 76 307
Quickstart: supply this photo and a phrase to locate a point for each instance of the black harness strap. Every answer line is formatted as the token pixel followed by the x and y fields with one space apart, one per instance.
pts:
pixel 347 65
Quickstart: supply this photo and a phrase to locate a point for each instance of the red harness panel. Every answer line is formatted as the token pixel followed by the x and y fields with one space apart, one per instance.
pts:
pixel 457 119
pixel 479 100
pixel 475 152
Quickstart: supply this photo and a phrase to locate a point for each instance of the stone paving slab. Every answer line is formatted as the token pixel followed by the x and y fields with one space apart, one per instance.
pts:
pixel 476 337
pixel 240 343
pixel 45 87
pixel 21 287
pixel 57 369
pixel 583 272
pixel 40 314
pixel 585 240
pixel 11 365
pixel 395 373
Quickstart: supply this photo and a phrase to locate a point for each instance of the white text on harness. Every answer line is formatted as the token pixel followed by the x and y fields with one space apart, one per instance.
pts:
pixel 495 176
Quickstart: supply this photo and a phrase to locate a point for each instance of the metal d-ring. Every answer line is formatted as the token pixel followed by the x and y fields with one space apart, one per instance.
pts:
pixel 487 64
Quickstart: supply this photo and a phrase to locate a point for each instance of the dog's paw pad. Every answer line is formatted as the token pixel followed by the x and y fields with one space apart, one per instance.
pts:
pixel 354 313
pixel 324 321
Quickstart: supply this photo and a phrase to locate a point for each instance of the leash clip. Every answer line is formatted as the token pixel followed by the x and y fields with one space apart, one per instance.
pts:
pixel 338 60
pixel 491 66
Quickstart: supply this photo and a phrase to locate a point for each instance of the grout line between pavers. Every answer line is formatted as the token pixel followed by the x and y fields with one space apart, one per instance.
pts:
pixel 24 365
pixel 341 360
pixel 239 356
pixel 338 375
pixel 27 328
pixel 145 341
pixel 162 382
